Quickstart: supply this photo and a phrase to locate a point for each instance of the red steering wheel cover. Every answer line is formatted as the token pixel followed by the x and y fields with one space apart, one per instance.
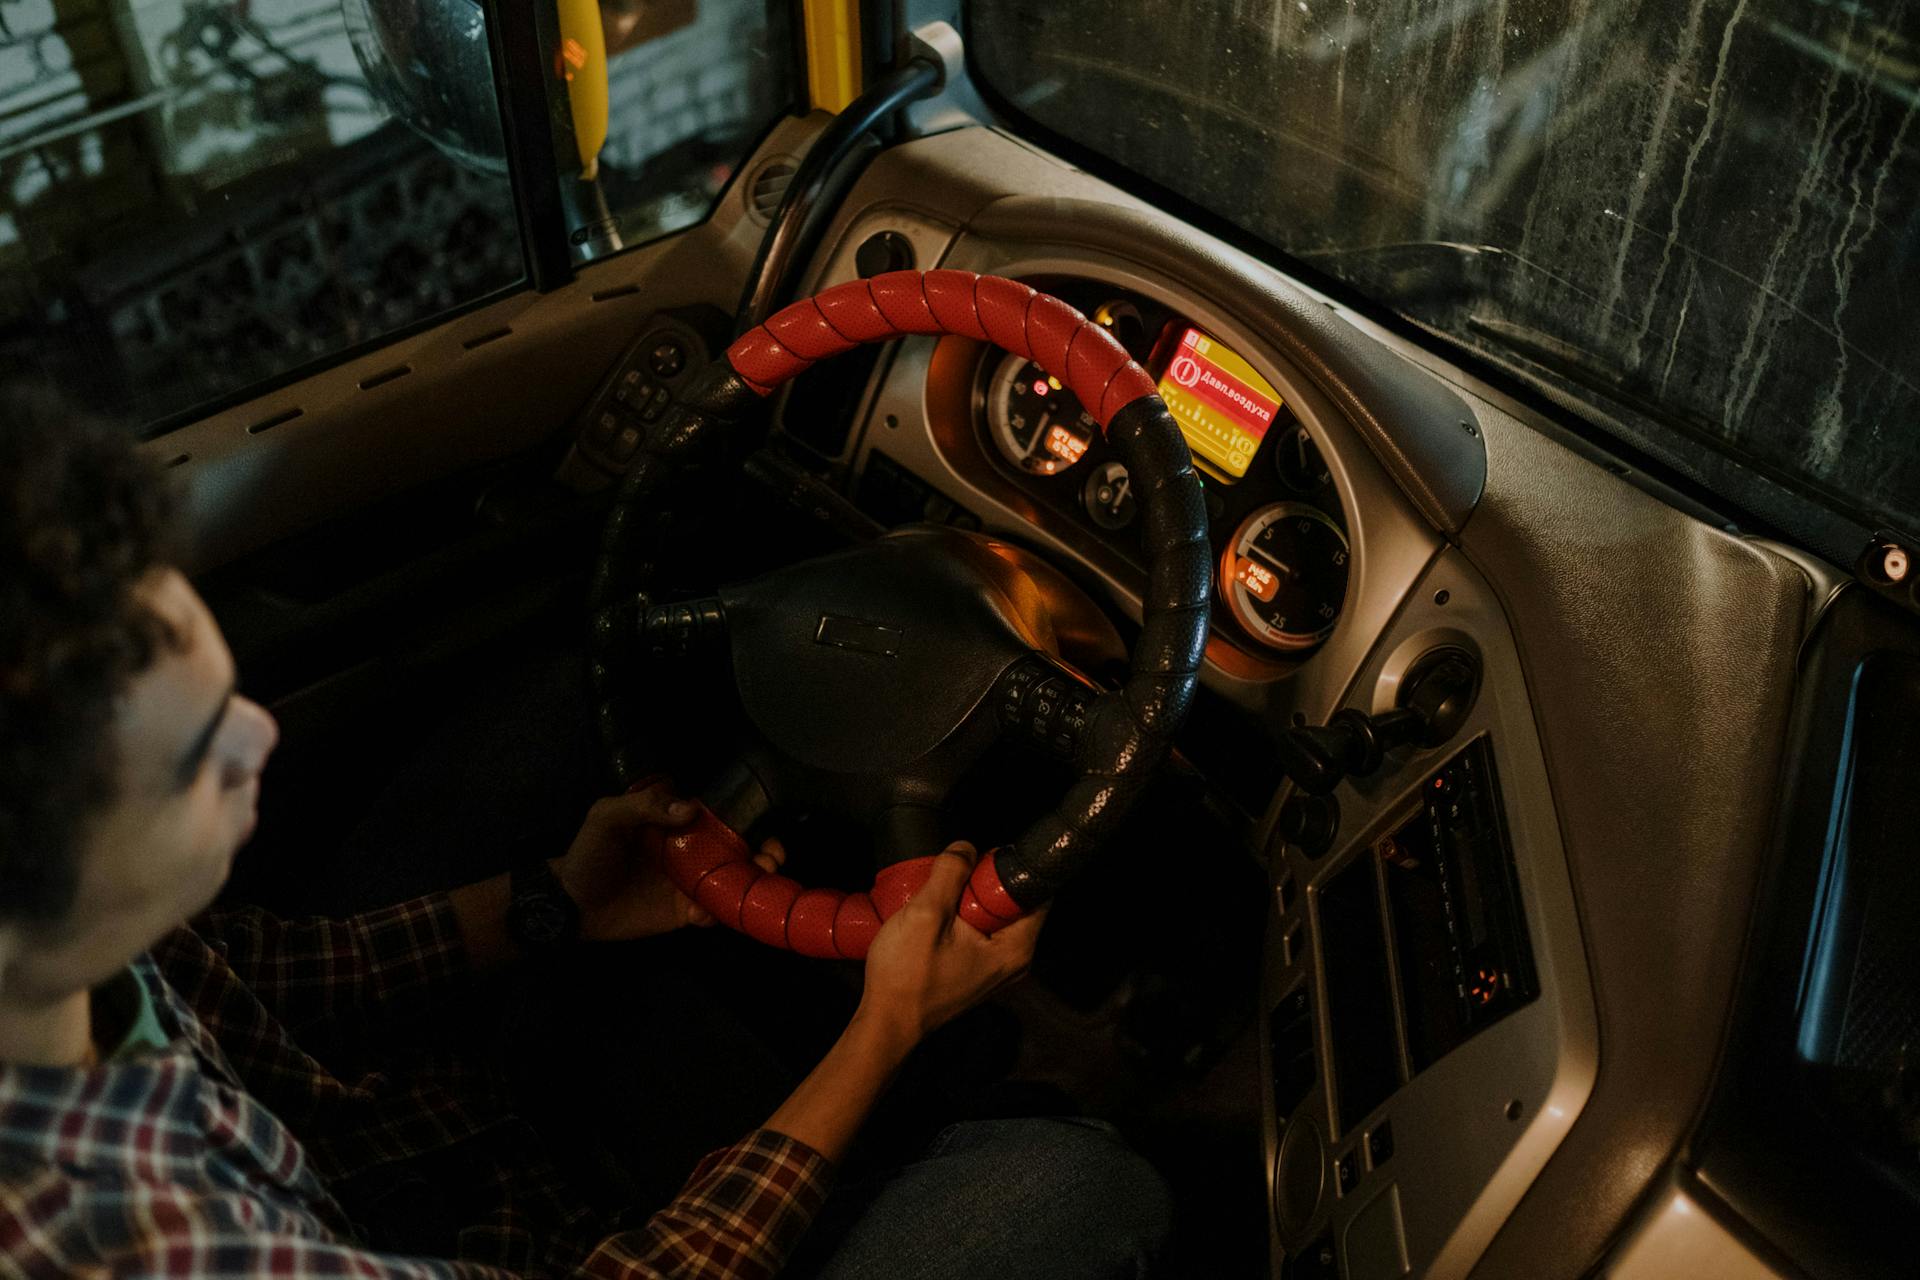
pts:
pixel 712 865
pixel 1080 353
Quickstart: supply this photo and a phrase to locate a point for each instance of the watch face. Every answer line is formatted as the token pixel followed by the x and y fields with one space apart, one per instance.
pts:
pixel 541 917
pixel 543 921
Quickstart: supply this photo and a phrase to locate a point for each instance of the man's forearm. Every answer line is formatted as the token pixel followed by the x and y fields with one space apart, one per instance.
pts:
pixel 481 910
pixel 831 1104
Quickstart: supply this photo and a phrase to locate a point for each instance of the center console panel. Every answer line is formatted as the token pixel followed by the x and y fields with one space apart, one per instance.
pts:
pixel 1429 1028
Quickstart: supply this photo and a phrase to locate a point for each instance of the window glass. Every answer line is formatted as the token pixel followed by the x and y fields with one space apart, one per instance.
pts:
pixel 1702 217
pixel 199 196
pixel 690 88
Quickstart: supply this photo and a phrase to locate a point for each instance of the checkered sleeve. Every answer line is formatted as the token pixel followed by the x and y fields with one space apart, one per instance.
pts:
pixel 738 1217
pixel 50 1226
pixel 320 975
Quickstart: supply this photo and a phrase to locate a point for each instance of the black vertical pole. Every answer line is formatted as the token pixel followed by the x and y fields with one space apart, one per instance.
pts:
pixel 522 78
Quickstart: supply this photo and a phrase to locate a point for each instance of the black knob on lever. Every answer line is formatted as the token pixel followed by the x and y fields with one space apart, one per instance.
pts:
pixel 1435 696
pixel 1441 687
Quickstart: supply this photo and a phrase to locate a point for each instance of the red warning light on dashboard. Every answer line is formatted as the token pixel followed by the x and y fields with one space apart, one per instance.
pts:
pixel 1261 582
pixel 1065 445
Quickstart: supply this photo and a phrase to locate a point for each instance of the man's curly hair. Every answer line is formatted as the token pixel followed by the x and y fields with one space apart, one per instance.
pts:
pixel 83 518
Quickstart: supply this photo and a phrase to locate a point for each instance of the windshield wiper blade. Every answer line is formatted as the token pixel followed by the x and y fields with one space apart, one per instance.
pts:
pixel 1559 355
pixel 1409 272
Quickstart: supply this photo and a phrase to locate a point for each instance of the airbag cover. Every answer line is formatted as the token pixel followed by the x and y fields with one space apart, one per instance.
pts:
pixel 864 661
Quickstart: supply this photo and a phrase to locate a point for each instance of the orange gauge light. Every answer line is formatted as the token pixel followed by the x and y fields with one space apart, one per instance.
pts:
pixel 1486 985
pixel 1065 445
pixel 1261 582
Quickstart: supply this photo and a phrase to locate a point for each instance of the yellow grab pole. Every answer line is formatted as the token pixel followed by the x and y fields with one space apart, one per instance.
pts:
pixel 833 52
pixel 583 65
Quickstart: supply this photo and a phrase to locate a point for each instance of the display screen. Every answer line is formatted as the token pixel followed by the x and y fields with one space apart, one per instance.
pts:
pixel 1223 407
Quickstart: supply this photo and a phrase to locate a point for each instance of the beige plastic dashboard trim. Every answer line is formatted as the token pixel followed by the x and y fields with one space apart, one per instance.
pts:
pixel 1678 1236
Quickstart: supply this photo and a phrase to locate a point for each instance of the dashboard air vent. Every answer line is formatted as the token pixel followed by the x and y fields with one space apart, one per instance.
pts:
pixel 769 186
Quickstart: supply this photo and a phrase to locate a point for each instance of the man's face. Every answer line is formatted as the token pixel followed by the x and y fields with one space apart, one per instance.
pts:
pixel 190 751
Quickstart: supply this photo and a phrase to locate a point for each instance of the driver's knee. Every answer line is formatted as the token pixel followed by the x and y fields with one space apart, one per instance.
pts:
pixel 1054 1199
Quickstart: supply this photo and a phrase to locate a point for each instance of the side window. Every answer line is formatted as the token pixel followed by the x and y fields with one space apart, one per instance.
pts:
pixel 656 103
pixel 199 197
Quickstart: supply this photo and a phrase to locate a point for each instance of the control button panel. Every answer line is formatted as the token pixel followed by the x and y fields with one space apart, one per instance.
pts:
pixel 1465 958
pixel 636 394
pixel 1046 704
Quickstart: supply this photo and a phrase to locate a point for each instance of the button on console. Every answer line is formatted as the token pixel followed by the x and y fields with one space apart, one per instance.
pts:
pixel 1346 1172
pixel 1380 1144
pixel 667 358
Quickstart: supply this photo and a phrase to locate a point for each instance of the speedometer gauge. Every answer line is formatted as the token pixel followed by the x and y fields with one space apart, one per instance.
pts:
pixel 1284 575
pixel 1038 425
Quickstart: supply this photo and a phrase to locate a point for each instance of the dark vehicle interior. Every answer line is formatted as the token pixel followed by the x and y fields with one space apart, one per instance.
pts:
pixel 1525 890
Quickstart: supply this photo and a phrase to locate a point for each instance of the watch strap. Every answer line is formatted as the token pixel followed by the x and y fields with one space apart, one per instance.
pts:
pixel 541 916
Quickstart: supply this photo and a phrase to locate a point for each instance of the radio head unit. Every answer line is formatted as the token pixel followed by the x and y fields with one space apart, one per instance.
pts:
pixel 1464 958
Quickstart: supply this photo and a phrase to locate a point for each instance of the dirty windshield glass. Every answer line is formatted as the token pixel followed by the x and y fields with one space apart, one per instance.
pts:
pixel 1704 217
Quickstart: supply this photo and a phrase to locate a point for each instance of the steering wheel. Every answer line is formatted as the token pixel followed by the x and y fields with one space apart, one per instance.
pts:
pixel 876 676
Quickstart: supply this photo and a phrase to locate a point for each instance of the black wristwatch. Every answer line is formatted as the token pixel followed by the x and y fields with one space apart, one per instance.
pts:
pixel 541 918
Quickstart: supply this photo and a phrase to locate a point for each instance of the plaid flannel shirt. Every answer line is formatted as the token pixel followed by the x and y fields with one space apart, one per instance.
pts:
pixel 234 1151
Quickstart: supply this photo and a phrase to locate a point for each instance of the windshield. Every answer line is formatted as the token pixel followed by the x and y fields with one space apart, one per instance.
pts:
pixel 1702 218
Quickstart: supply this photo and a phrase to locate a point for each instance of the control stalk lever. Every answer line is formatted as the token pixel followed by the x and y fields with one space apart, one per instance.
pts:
pixel 1435 696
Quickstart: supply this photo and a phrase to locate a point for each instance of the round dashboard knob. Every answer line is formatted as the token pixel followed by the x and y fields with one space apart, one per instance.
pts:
pixel 1108 497
pixel 1299 1177
pixel 1441 687
pixel 1310 822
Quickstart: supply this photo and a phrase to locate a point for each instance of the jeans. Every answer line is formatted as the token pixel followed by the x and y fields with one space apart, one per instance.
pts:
pixel 1039 1199
pixel 628 1101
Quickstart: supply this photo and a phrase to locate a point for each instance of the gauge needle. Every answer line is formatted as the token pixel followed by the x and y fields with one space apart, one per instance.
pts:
pixel 1277 565
pixel 1040 432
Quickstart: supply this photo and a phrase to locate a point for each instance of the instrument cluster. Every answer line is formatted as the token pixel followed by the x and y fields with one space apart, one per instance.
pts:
pixel 1274 515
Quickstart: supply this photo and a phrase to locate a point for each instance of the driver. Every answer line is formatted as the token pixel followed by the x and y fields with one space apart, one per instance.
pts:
pixel 185 1099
